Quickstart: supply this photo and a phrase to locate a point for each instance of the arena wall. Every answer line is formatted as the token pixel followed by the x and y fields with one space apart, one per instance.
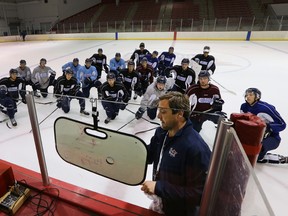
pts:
pixel 238 35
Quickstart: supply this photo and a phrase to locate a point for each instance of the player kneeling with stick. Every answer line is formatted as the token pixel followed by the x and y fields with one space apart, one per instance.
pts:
pixel 114 97
pixel 67 86
pixel 204 97
pixel 150 99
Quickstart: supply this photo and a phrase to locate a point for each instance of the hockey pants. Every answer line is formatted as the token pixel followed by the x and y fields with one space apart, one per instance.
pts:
pixel 268 144
pixel 86 90
pixel 65 102
pixel 111 109
pixel 11 107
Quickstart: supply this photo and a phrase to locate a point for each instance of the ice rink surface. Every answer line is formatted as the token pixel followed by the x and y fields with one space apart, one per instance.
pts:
pixel 240 65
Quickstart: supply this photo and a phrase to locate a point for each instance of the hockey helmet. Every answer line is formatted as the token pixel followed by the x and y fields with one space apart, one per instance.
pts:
pixel 171 48
pixel 206 49
pixel 255 91
pixel 130 62
pixel 161 79
pixel 69 71
pixel 142 45
pixel 88 60
pixel 43 59
pixel 117 54
pixel 144 59
pixel 155 52
pixel 3 89
pixel 204 73
pixel 22 61
pixel 185 61
pixel 13 71
pixel 75 60
pixel 100 50
pixel 111 76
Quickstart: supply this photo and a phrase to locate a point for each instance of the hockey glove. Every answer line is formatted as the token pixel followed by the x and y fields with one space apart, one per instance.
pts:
pixel 217 104
pixel 222 114
pixel 74 90
pixel 139 113
pixel 106 69
pixel 87 81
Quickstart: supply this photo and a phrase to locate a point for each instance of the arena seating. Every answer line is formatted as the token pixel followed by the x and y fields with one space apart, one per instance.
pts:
pixel 147 10
pixel 113 12
pixel 232 8
pixel 83 16
pixel 185 10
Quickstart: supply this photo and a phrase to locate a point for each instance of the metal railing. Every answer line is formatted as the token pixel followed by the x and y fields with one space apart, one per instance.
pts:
pixel 267 23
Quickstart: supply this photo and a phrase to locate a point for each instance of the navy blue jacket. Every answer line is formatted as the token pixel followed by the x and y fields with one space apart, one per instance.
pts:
pixel 182 173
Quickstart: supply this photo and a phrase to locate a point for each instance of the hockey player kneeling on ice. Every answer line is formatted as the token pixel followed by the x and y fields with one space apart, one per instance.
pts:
pixel 150 99
pixel 117 64
pixel 7 104
pixel 74 65
pixel 114 97
pixel 43 77
pixel 166 61
pixel 99 60
pixel 204 97
pixel 87 76
pixel 153 61
pixel 15 85
pixel 66 86
pixel 183 75
pixel 25 73
pixel 146 77
pixel 274 124
pixel 129 78
pixel 139 54
pixel 205 60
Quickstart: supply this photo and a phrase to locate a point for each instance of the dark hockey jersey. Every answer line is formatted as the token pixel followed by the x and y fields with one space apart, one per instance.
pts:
pixel 138 55
pixel 167 59
pixel 183 78
pixel 117 92
pixel 207 63
pixel 14 87
pixel 99 61
pixel 65 86
pixel 202 99
pixel 145 74
pixel 129 79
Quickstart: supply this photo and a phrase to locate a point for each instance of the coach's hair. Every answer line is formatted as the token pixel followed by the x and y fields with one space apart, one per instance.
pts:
pixel 177 102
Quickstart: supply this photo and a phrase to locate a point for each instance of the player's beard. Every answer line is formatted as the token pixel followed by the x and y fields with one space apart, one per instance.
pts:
pixel 204 85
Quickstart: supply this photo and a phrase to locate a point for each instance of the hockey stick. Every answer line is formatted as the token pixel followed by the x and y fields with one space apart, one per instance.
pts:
pixel 232 92
pixel 126 124
pixel 207 112
pixel 4 120
pixel 45 103
pixel 144 131
pixel 156 123
pixel 46 118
